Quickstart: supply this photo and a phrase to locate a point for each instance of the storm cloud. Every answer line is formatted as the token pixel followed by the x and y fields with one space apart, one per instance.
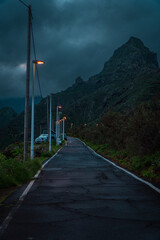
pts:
pixel 73 37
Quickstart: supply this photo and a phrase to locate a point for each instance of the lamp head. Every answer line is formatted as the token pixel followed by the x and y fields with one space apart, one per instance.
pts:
pixel 38 62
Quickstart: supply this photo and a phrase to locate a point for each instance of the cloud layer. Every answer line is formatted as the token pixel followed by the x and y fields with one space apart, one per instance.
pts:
pixel 73 37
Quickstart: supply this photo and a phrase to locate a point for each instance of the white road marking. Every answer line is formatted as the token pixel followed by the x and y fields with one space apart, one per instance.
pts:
pixel 124 170
pixel 26 190
pixel 7 220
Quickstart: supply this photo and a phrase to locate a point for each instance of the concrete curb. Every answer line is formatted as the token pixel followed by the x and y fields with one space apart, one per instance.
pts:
pixel 124 170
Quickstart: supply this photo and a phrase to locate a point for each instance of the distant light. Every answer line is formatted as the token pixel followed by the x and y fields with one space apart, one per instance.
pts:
pixel 38 62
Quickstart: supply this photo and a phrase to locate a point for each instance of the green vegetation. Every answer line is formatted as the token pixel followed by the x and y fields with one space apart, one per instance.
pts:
pixel 130 139
pixel 14 171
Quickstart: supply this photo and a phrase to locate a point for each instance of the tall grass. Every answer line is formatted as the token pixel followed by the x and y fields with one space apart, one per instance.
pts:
pixel 14 171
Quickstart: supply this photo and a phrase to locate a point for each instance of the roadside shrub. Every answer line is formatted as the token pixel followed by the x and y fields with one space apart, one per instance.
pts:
pixel 14 151
pixel 6 180
pixel 14 171
pixel 2 157
pixel 149 173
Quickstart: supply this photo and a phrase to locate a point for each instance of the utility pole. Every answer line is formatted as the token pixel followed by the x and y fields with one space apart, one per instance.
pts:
pixel 57 125
pixel 26 115
pixel 52 115
pixel 32 116
pixel 35 62
pixel 64 118
pixel 50 123
pixel 48 116
pixel 63 129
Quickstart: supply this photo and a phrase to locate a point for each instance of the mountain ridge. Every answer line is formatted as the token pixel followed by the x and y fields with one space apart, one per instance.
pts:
pixel 129 77
pixel 132 58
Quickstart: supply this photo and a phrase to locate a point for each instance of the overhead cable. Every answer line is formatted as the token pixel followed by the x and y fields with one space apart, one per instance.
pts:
pixel 24 3
pixel 35 57
pixel 34 49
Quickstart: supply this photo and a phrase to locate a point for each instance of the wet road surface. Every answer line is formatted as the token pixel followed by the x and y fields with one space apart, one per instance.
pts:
pixel 79 196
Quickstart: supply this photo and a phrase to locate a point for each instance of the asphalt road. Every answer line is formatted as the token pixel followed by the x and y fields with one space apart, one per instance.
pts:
pixel 79 196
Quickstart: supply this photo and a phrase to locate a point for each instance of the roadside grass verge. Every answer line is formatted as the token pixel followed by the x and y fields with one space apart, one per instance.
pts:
pixel 14 171
pixel 146 166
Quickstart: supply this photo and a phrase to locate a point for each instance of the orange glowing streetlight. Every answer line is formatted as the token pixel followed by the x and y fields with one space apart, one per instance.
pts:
pixel 64 118
pixel 32 116
pixel 38 62
pixel 57 125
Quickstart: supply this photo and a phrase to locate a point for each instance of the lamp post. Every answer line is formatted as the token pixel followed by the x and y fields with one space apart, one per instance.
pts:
pixel 64 118
pixel 60 127
pixel 57 125
pixel 32 116
pixel 50 123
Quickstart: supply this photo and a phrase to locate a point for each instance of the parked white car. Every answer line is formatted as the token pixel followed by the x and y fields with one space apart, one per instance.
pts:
pixel 59 141
pixel 42 138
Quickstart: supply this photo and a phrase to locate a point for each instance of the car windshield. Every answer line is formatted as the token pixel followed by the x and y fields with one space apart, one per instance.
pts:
pixel 44 135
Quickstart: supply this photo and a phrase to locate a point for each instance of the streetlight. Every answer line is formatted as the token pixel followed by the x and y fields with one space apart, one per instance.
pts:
pixel 50 124
pixel 57 125
pixel 32 116
pixel 60 126
pixel 64 118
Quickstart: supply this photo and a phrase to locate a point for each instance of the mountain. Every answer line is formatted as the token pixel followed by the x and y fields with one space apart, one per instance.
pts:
pixel 128 62
pixel 129 77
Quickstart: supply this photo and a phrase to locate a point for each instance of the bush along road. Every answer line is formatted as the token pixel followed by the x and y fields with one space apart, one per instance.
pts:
pixel 14 171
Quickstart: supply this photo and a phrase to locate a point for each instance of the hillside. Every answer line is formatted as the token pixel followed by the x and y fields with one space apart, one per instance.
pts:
pixel 129 77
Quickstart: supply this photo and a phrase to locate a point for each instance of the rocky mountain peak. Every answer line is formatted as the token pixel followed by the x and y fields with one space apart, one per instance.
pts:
pixel 131 60
pixel 78 81
pixel 135 52
pixel 135 42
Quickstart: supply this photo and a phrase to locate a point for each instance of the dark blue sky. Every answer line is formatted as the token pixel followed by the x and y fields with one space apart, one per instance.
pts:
pixel 73 37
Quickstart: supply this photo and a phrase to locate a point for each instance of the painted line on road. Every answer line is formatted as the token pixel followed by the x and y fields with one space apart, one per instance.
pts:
pixel 123 169
pixel 7 220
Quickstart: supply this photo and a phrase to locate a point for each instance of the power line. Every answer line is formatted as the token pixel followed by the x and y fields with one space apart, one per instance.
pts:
pixel 34 49
pixel 24 3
